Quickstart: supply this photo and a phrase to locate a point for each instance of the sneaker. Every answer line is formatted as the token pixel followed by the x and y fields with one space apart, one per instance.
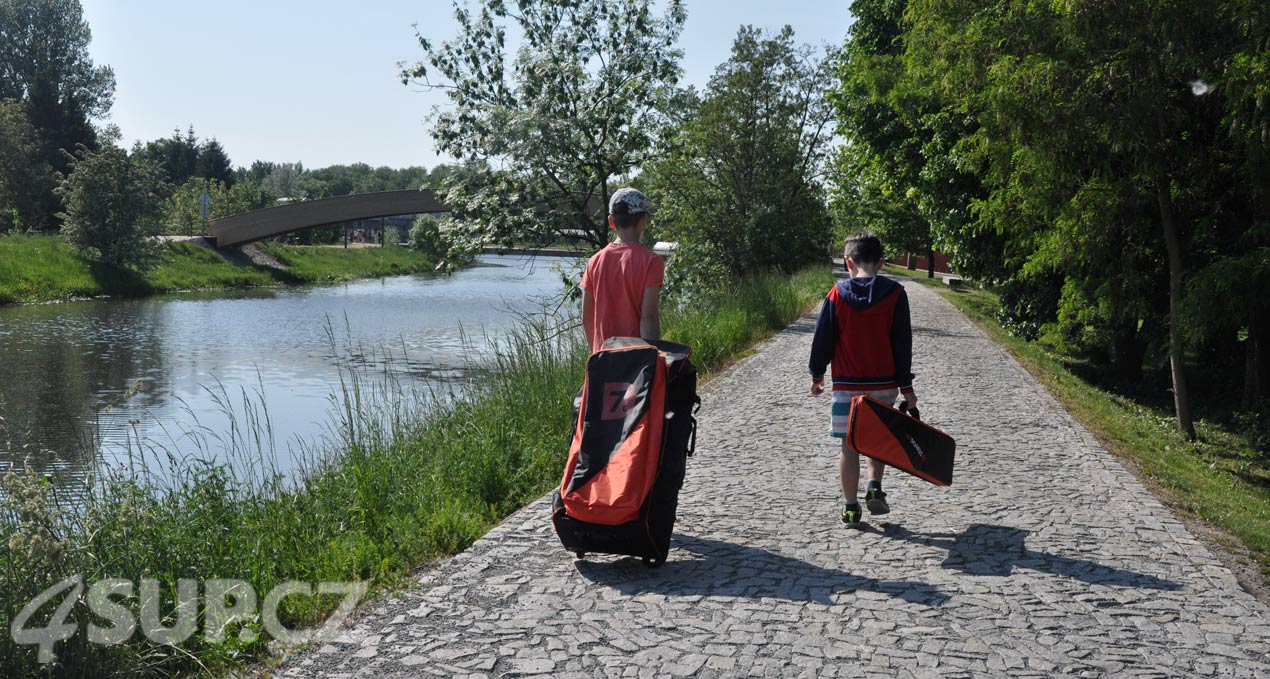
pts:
pixel 875 500
pixel 851 515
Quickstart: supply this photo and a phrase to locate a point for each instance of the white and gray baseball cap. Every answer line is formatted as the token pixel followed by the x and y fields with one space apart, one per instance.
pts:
pixel 628 201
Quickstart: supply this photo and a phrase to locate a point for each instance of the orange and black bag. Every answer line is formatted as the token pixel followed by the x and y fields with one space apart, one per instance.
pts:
pixel 633 432
pixel 899 438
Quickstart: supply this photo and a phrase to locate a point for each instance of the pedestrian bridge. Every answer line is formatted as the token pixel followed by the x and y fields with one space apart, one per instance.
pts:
pixel 248 227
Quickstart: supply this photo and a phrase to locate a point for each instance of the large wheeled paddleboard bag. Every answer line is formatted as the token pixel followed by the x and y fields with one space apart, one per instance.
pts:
pixel 633 432
pixel 899 438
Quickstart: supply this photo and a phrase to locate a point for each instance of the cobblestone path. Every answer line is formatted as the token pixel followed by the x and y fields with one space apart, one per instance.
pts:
pixel 1046 557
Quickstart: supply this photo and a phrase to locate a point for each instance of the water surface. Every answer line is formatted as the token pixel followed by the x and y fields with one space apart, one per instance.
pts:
pixel 83 382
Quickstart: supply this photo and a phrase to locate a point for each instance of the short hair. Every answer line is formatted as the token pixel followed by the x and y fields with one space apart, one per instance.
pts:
pixel 863 247
pixel 626 220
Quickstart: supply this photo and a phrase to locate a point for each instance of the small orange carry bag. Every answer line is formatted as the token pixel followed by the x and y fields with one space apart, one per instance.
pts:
pixel 899 438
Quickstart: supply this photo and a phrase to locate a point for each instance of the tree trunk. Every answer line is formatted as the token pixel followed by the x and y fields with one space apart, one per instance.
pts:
pixel 912 262
pixel 1169 220
pixel 930 263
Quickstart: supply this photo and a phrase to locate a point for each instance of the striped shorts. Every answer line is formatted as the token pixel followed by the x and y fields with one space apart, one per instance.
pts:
pixel 840 410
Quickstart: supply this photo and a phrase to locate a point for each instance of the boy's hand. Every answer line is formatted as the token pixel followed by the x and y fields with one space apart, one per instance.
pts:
pixel 911 400
pixel 817 387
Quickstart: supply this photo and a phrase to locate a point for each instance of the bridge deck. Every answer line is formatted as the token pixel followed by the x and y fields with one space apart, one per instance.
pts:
pixel 247 227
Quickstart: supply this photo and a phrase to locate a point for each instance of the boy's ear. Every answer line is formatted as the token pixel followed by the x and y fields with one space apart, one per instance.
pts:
pixel 612 224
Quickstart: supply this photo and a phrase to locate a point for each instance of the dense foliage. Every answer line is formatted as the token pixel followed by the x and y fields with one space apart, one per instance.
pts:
pixel 184 157
pixel 738 183
pixel 1105 163
pixel 112 206
pixel 46 71
pixel 431 237
pixel 547 130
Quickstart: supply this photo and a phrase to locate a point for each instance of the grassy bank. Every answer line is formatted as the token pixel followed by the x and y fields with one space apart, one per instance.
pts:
pixel 413 476
pixel 45 268
pixel 1223 479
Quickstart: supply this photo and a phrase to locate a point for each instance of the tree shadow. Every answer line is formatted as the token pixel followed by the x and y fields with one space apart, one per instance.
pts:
pixel 725 569
pixel 802 326
pixel 118 280
pixel 927 331
pixel 998 550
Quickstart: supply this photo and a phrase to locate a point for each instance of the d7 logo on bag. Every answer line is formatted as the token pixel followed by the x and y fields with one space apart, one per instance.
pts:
pixel 618 399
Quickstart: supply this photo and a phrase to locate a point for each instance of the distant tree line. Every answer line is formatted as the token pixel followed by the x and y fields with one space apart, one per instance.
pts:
pixel 61 173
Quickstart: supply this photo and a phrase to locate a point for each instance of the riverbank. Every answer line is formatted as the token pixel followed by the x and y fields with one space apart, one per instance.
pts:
pixel 37 269
pixel 1222 480
pixel 413 476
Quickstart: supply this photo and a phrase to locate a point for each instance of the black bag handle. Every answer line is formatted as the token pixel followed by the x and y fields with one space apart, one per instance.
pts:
pixel 917 415
pixel 692 438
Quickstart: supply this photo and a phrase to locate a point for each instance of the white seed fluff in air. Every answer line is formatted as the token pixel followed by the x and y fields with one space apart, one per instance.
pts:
pixel 1199 88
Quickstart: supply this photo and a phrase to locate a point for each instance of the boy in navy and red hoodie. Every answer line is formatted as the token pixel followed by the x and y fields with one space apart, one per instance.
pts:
pixel 864 331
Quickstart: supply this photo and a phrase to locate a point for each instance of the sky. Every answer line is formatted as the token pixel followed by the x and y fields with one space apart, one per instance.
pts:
pixel 317 81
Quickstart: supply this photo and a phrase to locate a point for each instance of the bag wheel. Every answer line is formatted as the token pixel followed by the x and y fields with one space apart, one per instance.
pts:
pixel 580 554
pixel 650 562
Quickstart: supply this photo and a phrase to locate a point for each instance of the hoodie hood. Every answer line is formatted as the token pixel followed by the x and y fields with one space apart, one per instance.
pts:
pixel 862 293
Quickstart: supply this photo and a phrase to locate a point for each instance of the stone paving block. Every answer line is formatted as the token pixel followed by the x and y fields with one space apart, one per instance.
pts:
pixel 1045 557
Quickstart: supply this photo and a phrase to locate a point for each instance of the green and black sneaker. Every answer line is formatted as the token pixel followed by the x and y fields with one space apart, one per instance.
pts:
pixel 875 500
pixel 851 515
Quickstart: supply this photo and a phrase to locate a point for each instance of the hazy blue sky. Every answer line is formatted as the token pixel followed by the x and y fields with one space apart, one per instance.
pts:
pixel 316 81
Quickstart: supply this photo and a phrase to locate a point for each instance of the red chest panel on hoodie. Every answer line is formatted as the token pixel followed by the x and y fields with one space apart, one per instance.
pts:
pixel 863 349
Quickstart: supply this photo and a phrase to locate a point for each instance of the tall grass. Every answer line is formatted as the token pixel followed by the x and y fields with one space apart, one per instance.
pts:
pixel 722 324
pixel 408 474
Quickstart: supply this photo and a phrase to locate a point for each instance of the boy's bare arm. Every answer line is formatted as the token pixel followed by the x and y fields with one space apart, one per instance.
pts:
pixel 650 314
pixel 588 315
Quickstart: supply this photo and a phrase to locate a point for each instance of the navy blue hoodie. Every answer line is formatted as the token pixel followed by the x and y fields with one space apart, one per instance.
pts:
pixel 865 331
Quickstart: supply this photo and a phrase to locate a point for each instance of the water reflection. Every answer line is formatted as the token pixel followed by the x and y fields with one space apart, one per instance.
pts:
pixel 82 382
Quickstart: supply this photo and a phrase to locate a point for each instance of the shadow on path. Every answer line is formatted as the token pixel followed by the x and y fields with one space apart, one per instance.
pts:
pixel 725 569
pixel 997 550
pixel 928 331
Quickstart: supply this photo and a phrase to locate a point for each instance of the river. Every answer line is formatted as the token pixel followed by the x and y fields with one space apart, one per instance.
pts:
pixel 124 382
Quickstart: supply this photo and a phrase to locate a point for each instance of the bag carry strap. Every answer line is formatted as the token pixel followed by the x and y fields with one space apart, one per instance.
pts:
pixel 692 438
pixel 914 412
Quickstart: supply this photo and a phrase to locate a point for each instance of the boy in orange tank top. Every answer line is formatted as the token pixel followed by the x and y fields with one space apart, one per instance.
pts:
pixel 622 282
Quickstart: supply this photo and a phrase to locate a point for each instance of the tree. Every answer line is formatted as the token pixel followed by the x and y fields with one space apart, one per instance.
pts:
pixel 739 186
pixel 579 106
pixel 1100 130
pixel 44 63
pixel 1247 82
pixel 183 211
pixel 901 172
pixel 283 180
pixel 430 237
pixel 113 205
pixel 256 173
pixel 23 175
pixel 213 164
pixel 178 155
pixel 878 168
